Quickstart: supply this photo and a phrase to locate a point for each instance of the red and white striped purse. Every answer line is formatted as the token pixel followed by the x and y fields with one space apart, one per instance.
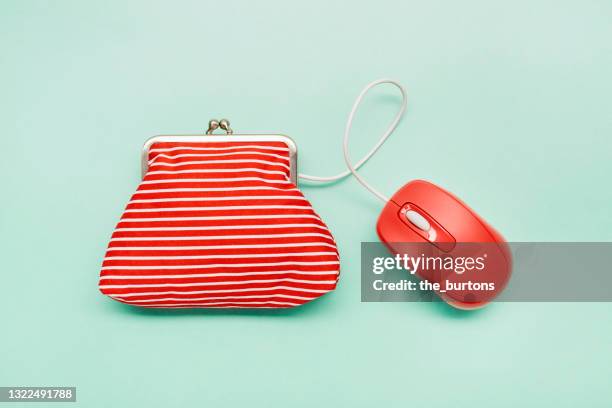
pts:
pixel 218 221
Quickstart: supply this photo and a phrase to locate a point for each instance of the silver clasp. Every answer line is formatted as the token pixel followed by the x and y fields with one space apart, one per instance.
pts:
pixel 214 124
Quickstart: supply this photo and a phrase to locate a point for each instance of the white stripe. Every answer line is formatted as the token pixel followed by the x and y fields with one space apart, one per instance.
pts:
pixel 212 275
pixel 221 218
pixel 244 170
pixel 184 199
pixel 193 162
pixel 195 292
pixel 224 227
pixel 195 248
pixel 228 207
pixel 194 190
pixel 220 298
pixel 218 265
pixel 170 258
pixel 177 156
pixel 220 237
pixel 225 179
pixel 171 149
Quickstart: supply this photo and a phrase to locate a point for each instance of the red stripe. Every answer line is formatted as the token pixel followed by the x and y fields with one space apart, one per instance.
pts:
pixel 185 145
pixel 257 298
pixel 118 251
pixel 305 257
pixel 144 195
pixel 227 184
pixel 191 202
pixel 251 288
pixel 198 163
pixel 211 223
pixel 219 232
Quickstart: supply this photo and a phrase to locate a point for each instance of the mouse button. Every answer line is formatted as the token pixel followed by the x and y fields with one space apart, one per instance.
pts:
pixel 415 220
pixel 426 226
pixel 418 220
pixel 391 230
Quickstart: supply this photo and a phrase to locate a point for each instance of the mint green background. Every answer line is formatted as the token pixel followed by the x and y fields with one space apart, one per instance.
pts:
pixel 509 108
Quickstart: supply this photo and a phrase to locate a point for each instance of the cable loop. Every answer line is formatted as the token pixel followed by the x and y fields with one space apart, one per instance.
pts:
pixel 352 169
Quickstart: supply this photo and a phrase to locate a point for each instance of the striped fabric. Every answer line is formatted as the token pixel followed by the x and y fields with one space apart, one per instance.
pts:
pixel 219 225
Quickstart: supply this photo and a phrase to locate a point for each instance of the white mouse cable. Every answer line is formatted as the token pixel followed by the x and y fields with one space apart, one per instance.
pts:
pixel 347 130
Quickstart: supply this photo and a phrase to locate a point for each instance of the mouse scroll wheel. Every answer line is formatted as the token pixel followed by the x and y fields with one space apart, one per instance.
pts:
pixel 418 220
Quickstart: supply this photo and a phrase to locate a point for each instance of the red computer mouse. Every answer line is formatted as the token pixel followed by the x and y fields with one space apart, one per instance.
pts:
pixel 425 221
